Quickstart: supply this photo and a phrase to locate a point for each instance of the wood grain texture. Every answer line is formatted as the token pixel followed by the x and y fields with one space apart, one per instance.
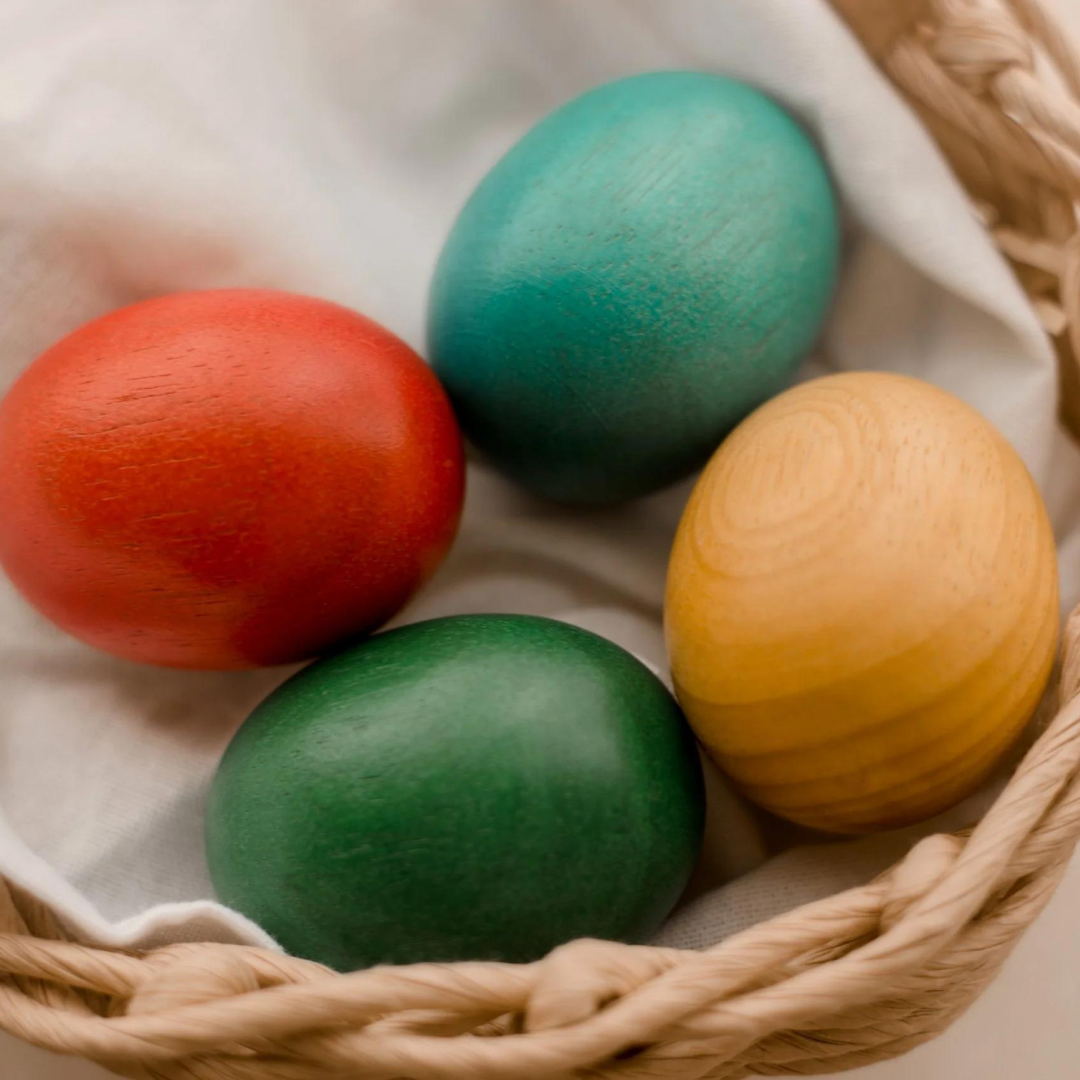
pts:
pixel 647 265
pixel 227 478
pixel 862 606
pixel 475 787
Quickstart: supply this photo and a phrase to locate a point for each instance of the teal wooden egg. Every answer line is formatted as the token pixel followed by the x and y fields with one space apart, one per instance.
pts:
pixel 475 787
pixel 645 267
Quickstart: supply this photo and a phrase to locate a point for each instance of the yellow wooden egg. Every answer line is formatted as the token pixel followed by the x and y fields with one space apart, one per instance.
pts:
pixel 862 607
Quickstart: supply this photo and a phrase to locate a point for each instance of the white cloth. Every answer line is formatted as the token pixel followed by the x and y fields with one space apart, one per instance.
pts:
pixel 148 146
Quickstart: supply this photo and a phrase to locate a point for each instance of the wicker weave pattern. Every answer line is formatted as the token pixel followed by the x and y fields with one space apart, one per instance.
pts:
pixel 998 85
pixel 859 977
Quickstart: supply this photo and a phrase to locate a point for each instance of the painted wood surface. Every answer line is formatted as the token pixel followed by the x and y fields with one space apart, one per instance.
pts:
pixel 641 270
pixel 474 787
pixel 226 479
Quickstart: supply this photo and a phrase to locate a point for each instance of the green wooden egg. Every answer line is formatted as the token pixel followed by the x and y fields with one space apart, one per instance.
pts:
pixel 475 787
pixel 645 267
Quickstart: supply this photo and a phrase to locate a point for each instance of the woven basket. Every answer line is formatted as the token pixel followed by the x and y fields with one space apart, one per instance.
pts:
pixel 847 981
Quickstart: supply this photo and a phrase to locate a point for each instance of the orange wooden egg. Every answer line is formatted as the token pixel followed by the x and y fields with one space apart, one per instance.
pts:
pixel 862 606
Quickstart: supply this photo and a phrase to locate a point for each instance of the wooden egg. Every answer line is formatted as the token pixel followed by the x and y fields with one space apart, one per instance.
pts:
pixel 476 787
pixel 226 479
pixel 862 607
pixel 642 269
